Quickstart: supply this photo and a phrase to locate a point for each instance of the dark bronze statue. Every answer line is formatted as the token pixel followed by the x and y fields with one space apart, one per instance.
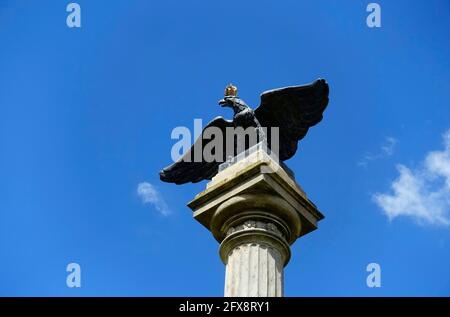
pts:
pixel 292 109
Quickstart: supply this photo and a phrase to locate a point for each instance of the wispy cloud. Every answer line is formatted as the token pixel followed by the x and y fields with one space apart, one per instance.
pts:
pixel 386 150
pixel 149 195
pixel 424 193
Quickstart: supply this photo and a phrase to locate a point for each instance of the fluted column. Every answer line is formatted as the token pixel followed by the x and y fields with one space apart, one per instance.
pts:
pixel 254 263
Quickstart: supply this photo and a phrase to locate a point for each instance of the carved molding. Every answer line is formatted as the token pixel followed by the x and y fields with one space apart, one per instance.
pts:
pixel 255 224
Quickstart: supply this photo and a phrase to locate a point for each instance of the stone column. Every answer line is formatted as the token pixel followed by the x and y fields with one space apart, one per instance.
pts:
pixel 255 210
pixel 254 253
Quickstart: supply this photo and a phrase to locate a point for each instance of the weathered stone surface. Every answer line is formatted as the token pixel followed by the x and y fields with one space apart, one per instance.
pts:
pixel 254 270
pixel 255 210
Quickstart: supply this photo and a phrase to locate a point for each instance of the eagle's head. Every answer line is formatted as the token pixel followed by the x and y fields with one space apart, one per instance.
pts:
pixel 228 101
pixel 230 97
pixel 234 103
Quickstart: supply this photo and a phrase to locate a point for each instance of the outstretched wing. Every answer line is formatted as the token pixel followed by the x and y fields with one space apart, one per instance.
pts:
pixel 193 169
pixel 294 110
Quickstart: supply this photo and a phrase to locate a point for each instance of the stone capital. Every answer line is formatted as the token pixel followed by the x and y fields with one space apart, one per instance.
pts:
pixel 255 186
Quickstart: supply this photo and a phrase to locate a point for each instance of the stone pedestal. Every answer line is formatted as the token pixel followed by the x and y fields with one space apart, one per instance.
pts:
pixel 255 210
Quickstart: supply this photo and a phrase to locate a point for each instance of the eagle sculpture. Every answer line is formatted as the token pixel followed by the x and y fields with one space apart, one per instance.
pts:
pixel 292 109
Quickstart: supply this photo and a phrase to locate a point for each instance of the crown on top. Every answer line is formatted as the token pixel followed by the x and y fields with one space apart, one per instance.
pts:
pixel 230 90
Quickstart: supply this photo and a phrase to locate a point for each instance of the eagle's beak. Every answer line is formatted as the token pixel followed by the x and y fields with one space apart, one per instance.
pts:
pixel 222 102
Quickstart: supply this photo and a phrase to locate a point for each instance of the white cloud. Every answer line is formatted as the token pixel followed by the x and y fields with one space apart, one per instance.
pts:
pixel 150 195
pixel 388 147
pixel 386 150
pixel 422 194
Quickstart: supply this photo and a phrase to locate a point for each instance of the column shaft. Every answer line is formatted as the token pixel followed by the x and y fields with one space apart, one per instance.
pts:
pixel 255 270
pixel 255 253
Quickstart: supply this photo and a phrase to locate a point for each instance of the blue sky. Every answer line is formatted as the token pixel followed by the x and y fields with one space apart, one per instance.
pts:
pixel 87 113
